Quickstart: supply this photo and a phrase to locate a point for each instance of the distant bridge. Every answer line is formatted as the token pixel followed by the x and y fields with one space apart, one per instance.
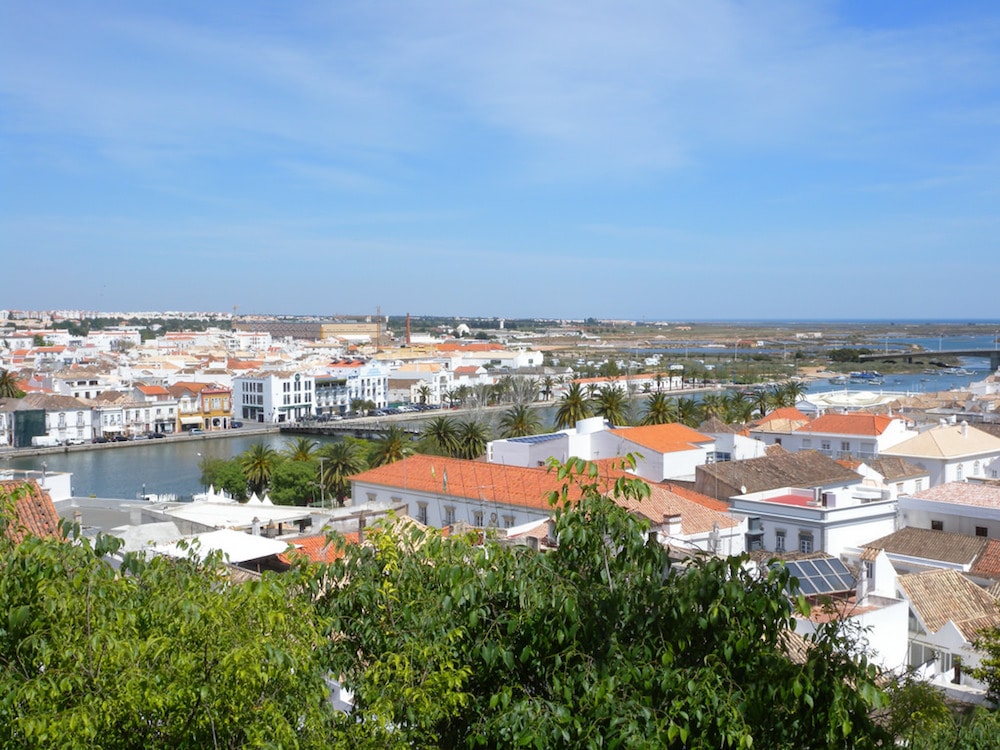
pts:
pixel 909 356
pixel 366 431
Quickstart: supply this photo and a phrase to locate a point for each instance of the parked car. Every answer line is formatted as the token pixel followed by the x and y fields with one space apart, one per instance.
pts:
pixel 156 435
pixel 195 431
pixel 235 425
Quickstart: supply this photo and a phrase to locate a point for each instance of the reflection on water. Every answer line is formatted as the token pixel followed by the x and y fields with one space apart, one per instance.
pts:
pixel 157 466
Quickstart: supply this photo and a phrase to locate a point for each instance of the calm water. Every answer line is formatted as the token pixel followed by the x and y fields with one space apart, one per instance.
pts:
pixel 158 466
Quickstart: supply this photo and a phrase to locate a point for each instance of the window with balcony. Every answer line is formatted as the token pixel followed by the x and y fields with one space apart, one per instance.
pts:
pixel 805 542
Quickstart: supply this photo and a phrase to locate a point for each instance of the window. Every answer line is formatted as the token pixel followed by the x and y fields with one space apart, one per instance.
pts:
pixel 371 497
pixel 422 513
pixel 845 446
pixel 779 540
pixel 477 518
pixel 937 525
pixel 508 522
pixel 960 472
pixel 919 485
pixel 981 531
pixel 449 515
pixel 825 446
pixel 807 443
pixel 805 542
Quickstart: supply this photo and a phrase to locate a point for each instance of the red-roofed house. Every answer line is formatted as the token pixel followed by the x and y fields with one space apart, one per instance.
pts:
pixel 859 434
pixel 34 514
pixel 445 491
pixel 668 451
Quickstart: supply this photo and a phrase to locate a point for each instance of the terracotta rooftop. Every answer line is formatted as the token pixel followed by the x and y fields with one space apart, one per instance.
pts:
pixel 857 423
pixel 472 480
pixel 784 414
pixel 940 596
pixel 942 546
pixel 963 493
pixel 949 441
pixel 664 438
pixel 800 469
pixel 317 548
pixel 695 518
pixel 988 563
pixel 894 469
pixel 34 513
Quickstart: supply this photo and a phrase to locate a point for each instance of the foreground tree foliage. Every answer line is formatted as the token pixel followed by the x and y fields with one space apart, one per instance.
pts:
pixel 447 642
pixel 159 654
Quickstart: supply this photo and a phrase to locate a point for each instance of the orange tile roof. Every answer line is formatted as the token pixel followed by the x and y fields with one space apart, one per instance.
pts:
pixel 789 413
pixel 696 497
pixel 317 548
pixel 457 477
pixel 34 512
pixel 856 423
pixel 153 390
pixel 664 438
pixel 695 518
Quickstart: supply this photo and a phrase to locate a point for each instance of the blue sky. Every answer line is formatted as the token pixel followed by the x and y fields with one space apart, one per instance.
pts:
pixel 652 160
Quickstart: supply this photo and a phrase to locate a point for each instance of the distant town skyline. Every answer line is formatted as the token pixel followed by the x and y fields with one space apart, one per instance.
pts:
pixel 651 161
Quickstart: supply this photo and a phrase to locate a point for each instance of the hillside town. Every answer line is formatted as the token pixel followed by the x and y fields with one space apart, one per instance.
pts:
pixel 885 506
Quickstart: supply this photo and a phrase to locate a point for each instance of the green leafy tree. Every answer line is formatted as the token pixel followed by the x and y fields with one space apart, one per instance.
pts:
pixel 457 642
pixel 224 475
pixel 341 461
pixel 161 653
pixel 258 462
pixel 519 421
pixel 987 643
pixel 293 482
pixel 573 406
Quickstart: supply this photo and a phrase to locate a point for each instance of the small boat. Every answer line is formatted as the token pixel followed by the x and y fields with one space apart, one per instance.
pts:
pixel 839 380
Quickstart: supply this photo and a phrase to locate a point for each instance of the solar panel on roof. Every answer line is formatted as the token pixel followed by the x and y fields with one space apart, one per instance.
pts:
pixel 826 575
pixel 530 439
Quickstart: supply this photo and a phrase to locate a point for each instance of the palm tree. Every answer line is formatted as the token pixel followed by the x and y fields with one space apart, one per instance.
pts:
pixel 394 446
pixel 473 436
pixel 524 390
pixel 791 391
pixel 659 409
pixel 548 383
pixel 739 407
pixel 441 436
pixel 612 404
pixel 341 460
pixel 424 392
pixel 573 406
pixel 688 412
pixel 762 401
pixel 300 449
pixel 712 405
pixel 519 421
pixel 258 462
pixel 8 385
pixel 462 393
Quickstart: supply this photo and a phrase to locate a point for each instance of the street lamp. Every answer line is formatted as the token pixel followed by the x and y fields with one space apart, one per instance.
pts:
pixel 322 484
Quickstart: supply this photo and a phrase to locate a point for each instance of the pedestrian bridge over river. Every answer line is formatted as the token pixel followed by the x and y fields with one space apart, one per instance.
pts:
pixel 908 356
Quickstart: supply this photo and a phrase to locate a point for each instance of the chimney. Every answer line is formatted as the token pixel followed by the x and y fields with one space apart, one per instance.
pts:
pixel 255 526
pixel 533 543
pixel 551 532
pixel 965 429
pixel 361 528
pixel 672 524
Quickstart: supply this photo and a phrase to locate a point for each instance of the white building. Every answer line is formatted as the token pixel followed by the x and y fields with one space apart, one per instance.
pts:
pixel 667 451
pixel 344 382
pixel 952 453
pixel 274 397
pixel 441 492
pixel 961 507
pixel 858 434
pixel 812 521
